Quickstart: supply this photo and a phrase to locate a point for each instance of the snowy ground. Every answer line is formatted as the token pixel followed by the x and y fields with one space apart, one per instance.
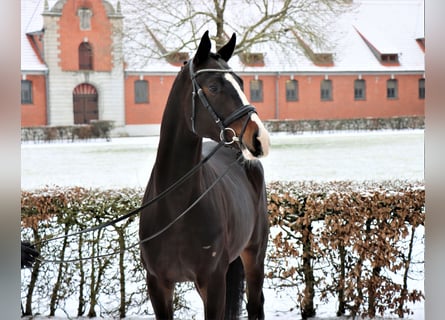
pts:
pixel 127 162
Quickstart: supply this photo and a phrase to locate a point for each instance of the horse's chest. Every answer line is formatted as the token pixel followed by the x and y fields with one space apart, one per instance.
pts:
pixel 197 235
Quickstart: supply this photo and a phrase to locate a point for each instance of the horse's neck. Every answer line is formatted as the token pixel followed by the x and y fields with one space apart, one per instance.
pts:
pixel 179 150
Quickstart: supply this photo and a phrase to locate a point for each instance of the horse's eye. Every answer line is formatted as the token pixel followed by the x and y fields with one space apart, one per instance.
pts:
pixel 213 88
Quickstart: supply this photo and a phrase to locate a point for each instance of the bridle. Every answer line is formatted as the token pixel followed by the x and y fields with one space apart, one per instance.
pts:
pixel 223 124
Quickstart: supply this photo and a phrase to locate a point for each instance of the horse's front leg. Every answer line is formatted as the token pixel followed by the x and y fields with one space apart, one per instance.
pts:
pixel 253 262
pixel 161 296
pixel 212 289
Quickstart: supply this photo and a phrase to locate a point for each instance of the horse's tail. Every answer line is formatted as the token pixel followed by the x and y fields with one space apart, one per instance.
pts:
pixel 234 289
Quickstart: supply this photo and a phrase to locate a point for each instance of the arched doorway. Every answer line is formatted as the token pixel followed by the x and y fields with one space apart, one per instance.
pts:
pixel 85 104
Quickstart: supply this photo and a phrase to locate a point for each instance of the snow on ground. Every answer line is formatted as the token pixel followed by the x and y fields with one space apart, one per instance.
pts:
pixel 127 162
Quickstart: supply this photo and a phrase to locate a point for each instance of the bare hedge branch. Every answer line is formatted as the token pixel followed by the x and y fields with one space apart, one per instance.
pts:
pixel 345 240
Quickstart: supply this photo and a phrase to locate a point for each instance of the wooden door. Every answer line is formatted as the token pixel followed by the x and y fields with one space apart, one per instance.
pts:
pixel 85 104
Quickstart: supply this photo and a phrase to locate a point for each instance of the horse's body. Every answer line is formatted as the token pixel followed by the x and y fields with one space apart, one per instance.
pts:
pixel 230 221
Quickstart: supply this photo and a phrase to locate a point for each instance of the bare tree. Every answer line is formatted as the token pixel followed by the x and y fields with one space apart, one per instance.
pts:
pixel 156 28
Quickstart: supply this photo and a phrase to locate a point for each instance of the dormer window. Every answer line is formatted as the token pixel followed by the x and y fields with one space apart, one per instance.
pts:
pixel 385 53
pixel 177 58
pixel 421 43
pixel 389 58
pixel 318 58
pixel 85 15
pixel 253 59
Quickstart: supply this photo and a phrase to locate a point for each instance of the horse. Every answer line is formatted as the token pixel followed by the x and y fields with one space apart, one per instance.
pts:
pixel 221 240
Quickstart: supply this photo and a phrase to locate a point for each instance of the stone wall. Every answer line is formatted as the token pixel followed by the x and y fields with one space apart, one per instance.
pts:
pixel 297 126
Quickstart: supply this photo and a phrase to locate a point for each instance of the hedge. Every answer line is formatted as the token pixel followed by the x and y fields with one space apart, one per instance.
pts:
pixel 359 124
pixel 345 240
pixel 96 129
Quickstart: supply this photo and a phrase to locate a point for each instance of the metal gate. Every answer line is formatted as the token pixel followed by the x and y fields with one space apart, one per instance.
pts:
pixel 85 105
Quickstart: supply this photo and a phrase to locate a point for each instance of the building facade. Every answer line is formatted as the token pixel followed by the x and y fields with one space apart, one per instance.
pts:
pixel 74 70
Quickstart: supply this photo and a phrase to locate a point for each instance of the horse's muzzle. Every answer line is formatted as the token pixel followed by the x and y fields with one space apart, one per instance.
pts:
pixel 256 140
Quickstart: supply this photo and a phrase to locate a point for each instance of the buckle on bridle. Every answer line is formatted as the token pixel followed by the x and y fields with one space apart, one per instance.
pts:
pixel 223 138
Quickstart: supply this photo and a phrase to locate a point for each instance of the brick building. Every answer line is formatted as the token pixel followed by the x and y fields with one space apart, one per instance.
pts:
pixel 75 68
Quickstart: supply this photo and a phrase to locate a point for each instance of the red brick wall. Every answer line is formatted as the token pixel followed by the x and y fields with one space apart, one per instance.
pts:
pixel 151 112
pixel 70 36
pixel 309 105
pixel 343 105
pixel 35 114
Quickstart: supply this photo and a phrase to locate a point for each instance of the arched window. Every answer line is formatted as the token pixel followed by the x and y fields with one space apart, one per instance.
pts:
pixel 85 56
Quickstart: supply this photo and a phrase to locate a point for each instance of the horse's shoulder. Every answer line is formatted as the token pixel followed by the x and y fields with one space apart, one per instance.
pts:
pixel 252 169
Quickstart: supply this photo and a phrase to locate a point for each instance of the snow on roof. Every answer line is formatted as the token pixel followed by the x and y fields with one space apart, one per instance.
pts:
pixel 391 26
pixel 420 21
pixel 31 21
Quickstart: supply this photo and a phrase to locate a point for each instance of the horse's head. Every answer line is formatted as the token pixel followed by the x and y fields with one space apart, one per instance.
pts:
pixel 219 108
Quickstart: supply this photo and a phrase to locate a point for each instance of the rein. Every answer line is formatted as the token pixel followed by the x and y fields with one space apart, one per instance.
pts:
pixel 223 125
pixel 135 211
pixel 165 228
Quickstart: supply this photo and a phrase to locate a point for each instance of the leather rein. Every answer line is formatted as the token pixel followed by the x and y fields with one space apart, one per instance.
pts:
pixel 224 127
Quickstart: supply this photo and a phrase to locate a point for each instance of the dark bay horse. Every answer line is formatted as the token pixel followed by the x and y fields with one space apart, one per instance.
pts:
pixel 222 239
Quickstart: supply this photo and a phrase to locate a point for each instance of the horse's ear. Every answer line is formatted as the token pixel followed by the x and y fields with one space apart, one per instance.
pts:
pixel 227 51
pixel 203 49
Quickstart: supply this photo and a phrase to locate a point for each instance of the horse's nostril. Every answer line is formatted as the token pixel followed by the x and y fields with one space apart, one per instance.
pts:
pixel 257 148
